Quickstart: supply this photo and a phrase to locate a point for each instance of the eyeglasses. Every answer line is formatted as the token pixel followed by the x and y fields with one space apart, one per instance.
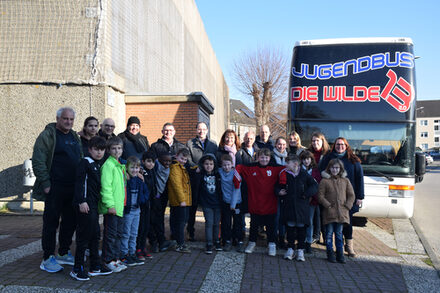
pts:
pixel 109 126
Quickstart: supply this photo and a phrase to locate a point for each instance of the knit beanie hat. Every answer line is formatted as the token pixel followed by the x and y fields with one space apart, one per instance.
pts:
pixel 133 120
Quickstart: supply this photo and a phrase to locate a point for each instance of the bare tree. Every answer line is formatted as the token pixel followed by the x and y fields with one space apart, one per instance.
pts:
pixel 263 76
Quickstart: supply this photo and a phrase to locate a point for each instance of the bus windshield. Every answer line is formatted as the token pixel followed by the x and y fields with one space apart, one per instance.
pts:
pixel 382 147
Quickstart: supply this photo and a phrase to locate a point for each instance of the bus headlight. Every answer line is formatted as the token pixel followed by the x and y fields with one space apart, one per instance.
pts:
pixel 401 191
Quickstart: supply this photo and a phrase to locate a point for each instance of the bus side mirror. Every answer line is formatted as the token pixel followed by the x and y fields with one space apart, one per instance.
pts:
pixel 420 166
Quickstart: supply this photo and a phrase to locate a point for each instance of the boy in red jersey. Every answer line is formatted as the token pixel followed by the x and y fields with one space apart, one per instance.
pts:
pixel 261 179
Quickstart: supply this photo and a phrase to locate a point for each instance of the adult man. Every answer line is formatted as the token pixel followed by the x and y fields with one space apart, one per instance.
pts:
pixel 198 146
pixel 167 143
pixel 247 153
pixel 264 140
pixel 57 152
pixel 107 128
pixel 135 144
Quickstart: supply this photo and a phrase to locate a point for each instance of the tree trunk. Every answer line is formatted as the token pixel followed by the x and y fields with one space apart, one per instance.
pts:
pixel 266 103
pixel 257 105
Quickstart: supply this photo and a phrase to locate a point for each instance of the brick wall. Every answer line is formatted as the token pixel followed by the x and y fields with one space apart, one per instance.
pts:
pixel 153 116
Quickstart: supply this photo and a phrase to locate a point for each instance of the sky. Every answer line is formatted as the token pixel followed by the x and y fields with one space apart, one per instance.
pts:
pixel 237 26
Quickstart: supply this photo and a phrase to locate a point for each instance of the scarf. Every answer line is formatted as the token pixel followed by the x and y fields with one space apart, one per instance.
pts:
pixel 138 140
pixel 232 151
pixel 340 155
pixel 162 177
pixel 280 158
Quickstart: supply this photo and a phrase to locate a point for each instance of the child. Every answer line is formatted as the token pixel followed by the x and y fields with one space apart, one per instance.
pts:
pixel 336 196
pixel 296 188
pixel 230 207
pixel 207 188
pixel 86 198
pixel 150 179
pixel 158 201
pixel 112 204
pixel 179 195
pixel 314 225
pixel 262 202
pixel 136 195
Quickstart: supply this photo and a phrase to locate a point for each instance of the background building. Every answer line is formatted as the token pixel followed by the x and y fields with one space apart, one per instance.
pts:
pixel 241 118
pixel 104 58
pixel 428 124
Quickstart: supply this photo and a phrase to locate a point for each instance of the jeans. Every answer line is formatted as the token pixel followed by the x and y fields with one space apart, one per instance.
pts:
pixel 262 220
pixel 178 219
pixel 87 236
pixel 337 229
pixel 212 224
pixel 314 227
pixel 232 223
pixel 144 226
pixel 113 227
pixel 130 232
pixel 58 204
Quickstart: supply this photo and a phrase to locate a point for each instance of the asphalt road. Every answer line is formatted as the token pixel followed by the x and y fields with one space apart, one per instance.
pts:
pixel 427 207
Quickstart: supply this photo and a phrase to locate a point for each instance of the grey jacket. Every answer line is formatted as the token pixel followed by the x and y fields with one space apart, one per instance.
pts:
pixel 197 150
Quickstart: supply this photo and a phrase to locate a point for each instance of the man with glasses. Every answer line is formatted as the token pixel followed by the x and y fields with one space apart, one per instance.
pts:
pixel 107 128
pixel 167 143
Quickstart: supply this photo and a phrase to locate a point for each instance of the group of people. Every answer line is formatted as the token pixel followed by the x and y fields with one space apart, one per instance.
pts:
pixel 288 190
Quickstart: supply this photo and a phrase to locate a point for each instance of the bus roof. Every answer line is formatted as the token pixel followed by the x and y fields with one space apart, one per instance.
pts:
pixel 353 41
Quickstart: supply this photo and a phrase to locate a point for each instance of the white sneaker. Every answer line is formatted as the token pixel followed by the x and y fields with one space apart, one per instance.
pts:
pixel 250 247
pixel 272 247
pixel 113 267
pixel 121 265
pixel 289 254
pixel 300 255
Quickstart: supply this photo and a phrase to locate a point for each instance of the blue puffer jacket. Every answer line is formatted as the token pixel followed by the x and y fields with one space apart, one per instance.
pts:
pixel 136 183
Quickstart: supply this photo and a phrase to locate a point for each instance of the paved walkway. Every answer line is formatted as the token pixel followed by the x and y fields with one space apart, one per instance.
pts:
pixel 379 268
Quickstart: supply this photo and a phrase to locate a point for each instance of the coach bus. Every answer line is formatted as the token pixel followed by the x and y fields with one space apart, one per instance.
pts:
pixel 364 90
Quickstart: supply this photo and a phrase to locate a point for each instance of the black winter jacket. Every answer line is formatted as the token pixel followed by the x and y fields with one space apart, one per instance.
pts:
pixel 161 146
pixel 88 183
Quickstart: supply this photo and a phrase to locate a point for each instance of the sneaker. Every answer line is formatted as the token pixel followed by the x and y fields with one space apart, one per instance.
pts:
pixel 113 266
pixel 66 259
pixel 228 246
pixel 103 271
pixel 290 253
pixel 209 248
pixel 79 274
pixel 250 247
pixel 182 248
pixel 300 255
pixel 140 255
pixel 50 265
pixel 218 246
pixel 128 260
pixel 166 245
pixel 272 249
pixel 146 254
pixel 138 261
pixel 121 265
pixel 240 247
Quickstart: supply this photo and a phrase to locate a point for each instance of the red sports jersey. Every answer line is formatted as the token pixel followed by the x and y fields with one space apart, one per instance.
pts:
pixel 261 187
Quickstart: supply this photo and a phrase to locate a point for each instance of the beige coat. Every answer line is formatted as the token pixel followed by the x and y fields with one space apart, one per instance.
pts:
pixel 336 195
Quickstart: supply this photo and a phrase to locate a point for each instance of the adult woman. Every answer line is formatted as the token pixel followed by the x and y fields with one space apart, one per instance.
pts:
pixel 229 144
pixel 135 144
pixel 318 146
pixel 295 146
pixel 352 164
pixel 90 129
pixel 280 152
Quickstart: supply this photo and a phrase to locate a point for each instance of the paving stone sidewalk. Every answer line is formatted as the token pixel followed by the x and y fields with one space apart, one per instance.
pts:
pixel 379 267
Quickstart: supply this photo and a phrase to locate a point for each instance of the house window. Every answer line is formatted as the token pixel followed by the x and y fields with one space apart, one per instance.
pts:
pixel 423 122
pixel 424 146
pixel 436 139
pixel 423 134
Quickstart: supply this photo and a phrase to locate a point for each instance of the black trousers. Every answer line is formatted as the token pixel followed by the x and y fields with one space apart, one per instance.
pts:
pixel 157 222
pixel 232 223
pixel 178 219
pixel 144 226
pixel 87 236
pixel 347 231
pixel 262 220
pixel 113 229
pixel 296 233
pixel 58 203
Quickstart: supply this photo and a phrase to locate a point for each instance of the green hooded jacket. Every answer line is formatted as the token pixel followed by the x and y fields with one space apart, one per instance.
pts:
pixel 42 156
pixel 112 187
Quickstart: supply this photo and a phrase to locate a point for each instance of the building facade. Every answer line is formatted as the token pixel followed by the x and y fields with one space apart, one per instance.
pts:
pixel 97 56
pixel 428 124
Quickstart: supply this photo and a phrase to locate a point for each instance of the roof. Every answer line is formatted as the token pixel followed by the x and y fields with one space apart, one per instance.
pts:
pixel 240 113
pixel 428 108
pixel 353 41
